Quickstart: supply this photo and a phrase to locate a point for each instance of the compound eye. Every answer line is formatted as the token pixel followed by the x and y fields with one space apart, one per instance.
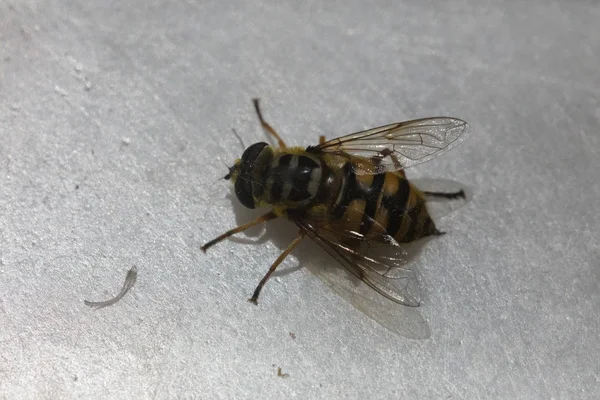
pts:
pixel 243 190
pixel 243 184
pixel 252 152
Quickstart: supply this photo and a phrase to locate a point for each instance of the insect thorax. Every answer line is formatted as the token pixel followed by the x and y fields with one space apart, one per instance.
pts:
pixel 291 179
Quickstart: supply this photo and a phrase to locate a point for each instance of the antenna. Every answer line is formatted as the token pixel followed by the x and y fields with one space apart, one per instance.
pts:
pixel 239 139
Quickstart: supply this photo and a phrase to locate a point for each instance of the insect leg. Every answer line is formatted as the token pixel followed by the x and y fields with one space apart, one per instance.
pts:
pixel 454 195
pixel 282 256
pixel 264 218
pixel 387 153
pixel 266 126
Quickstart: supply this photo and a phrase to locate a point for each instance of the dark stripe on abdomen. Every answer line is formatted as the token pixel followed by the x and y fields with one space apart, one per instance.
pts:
pixel 396 206
pixel 371 195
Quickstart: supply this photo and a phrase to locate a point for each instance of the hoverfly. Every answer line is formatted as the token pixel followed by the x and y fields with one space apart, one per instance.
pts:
pixel 351 196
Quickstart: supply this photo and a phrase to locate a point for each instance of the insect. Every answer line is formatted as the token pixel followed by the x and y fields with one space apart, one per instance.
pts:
pixel 351 196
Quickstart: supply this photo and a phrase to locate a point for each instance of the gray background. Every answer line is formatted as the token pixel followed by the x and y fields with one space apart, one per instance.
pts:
pixel 115 127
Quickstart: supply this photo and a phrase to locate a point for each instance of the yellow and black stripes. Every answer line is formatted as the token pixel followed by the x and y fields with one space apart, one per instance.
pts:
pixel 395 202
pixel 386 198
pixel 369 203
pixel 372 196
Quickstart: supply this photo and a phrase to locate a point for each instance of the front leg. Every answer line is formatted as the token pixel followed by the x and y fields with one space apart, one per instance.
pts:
pixel 267 128
pixel 262 219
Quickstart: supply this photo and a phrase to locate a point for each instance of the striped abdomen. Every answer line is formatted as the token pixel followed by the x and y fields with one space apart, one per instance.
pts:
pixel 386 198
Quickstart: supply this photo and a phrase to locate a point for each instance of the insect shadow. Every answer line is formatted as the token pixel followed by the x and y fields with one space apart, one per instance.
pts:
pixel 405 321
pixel 279 232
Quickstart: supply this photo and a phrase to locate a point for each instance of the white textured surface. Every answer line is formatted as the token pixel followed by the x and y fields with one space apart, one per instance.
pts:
pixel 114 119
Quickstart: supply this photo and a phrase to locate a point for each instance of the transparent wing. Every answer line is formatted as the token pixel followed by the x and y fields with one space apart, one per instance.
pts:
pixel 381 266
pixel 401 145
pixel 389 259
pixel 375 281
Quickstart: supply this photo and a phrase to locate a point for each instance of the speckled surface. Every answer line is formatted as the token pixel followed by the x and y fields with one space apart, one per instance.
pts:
pixel 115 127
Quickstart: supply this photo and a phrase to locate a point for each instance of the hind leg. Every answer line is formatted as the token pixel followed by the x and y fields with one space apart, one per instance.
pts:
pixel 454 195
